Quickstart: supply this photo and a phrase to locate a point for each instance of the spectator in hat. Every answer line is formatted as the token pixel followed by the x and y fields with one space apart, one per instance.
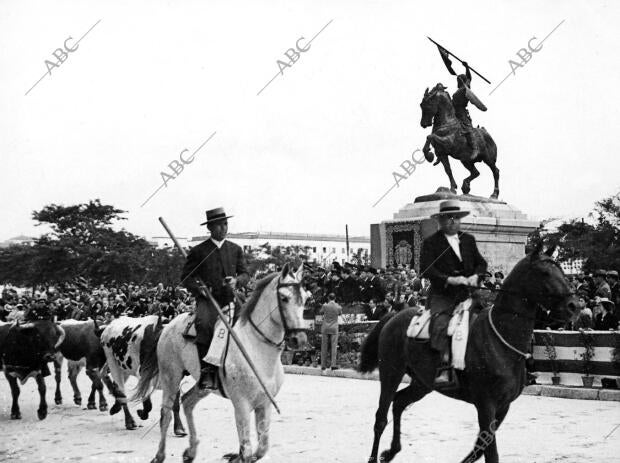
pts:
pixel 614 287
pixel 605 318
pixel 602 287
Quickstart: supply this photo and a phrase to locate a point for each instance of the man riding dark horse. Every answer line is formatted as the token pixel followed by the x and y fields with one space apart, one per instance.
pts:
pixel 452 262
pixel 219 263
pixel 460 99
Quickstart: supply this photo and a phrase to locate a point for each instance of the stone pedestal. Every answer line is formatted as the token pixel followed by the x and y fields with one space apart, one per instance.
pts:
pixel 500 229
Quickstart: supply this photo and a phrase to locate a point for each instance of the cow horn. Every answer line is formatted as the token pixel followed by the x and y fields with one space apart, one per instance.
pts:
pixel 61 338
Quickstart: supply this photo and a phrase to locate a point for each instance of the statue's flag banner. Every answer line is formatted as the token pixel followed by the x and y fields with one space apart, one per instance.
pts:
pixel 446 59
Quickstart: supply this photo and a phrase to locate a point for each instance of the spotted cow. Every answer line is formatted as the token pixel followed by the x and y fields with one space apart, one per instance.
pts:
pixel 126 342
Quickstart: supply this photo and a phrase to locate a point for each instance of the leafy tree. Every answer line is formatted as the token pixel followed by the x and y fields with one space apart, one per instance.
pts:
pixel 597 243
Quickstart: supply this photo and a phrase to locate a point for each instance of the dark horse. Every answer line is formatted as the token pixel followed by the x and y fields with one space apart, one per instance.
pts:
pixel 495 359
pixel 448 140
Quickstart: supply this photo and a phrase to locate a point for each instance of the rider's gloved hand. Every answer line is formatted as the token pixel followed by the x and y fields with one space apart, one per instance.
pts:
pixel 460 280
pixel 473 280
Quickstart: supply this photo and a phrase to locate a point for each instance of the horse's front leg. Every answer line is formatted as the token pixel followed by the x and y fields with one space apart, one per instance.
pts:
pixel 485 442
pixel 428 154
pixel 42 411
pixel 263 423
pixel 446 165
pixel 242 418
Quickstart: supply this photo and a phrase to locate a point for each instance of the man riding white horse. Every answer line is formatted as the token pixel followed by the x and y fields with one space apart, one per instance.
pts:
pixel 220 265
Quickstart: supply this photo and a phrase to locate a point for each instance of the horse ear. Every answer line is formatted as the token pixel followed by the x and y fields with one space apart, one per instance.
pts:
pixel 299 273
pixel 426 92
pixel 551 250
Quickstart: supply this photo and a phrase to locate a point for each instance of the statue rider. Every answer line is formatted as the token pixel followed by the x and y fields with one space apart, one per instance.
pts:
pixel 460 99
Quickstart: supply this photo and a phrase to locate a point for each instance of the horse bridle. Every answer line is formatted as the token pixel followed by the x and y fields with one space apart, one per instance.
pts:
pixel 287 330
pixel 525 299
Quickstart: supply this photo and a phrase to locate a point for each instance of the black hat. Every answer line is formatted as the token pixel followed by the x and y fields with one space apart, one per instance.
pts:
pixel 216 214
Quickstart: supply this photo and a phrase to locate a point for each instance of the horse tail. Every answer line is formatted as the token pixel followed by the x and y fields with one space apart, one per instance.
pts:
pixel 370 349
pixel 491 147
pixel 149 374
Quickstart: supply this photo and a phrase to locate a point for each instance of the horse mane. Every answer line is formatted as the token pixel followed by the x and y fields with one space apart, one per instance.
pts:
pixel 249 306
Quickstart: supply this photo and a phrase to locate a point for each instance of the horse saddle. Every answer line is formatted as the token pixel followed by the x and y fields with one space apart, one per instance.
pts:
pixel 458 330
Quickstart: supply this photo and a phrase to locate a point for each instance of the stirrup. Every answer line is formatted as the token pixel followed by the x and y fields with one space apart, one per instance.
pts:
pixel 208 378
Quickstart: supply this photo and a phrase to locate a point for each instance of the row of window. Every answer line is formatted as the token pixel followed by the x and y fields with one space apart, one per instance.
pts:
pixel 248 248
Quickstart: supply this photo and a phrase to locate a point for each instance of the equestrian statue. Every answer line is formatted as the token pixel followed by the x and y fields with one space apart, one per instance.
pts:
pixel 453 133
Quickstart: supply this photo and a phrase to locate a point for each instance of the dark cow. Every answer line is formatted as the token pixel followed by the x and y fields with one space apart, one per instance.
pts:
pixel 82 348
pixel 126 342
pixel 25 350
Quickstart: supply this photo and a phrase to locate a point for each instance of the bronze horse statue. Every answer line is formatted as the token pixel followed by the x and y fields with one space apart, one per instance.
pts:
pixel 447 139
pixel 495 360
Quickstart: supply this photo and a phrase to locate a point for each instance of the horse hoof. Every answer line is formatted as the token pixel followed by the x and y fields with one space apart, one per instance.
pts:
pixel 16 416
pixel 231 456
pixel 77 401
pixel 131 426
pixel 103 407
pixel 115 408
pixel 388 455
pixel 180 431
pixel 187 458
pixel 58 401
pixel 157 460
pixel 143 415
pixel 41 414
pixel 91 406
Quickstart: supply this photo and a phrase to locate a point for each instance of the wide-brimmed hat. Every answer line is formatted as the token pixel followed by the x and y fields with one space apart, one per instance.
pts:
pixel 451 207
pixel 216 214
pixel 600 273
pixel 606 301
pixel 612 273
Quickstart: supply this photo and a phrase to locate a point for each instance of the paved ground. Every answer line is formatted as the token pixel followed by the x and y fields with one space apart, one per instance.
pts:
pixel 323 419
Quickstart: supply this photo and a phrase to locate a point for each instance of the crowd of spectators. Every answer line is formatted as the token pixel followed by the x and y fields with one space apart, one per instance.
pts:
pixel 598 296
pixel 378 291
pixel 363 290
pixel 80 301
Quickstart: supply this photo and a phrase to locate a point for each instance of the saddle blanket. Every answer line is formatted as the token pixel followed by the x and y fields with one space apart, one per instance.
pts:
pixel 217 348
pixel 458 330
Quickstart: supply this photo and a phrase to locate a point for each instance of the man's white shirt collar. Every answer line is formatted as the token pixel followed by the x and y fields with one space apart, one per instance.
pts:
pixel 218 243
pixel 453 241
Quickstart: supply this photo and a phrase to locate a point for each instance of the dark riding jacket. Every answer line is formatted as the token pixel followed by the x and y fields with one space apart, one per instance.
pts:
pixel 438 261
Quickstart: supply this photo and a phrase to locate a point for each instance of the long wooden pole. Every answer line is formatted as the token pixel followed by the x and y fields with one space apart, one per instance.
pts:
pixel 207 295
pixel 453 55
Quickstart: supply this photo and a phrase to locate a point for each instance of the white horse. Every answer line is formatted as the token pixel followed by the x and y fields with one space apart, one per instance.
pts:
pixel 273 313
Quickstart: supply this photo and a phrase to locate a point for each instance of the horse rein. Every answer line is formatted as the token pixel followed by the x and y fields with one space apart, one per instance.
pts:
pixel 287 330
pixel 496 331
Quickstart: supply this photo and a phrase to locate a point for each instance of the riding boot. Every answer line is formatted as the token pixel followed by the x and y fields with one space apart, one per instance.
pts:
pixel 443 372
pixel 208 372
pixel 469 136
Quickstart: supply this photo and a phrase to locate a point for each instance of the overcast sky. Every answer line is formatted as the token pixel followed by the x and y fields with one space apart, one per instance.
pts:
pixel 317 148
